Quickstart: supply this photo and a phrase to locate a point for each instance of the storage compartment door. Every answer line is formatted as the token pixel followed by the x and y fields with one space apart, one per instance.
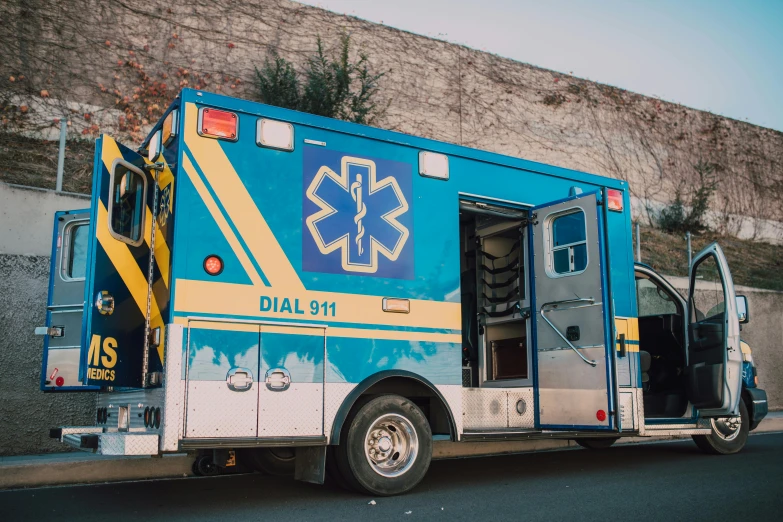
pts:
pixel 291 394
pixel 222 380
pixel 571 315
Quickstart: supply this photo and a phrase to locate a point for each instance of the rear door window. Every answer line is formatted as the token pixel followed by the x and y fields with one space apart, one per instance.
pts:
pixel 127 204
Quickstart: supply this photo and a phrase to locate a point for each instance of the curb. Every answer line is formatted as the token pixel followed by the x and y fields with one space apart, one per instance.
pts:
pixel 86 468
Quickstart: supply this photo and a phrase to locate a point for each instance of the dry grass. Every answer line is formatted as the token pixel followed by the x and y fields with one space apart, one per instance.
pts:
pixel 32 162
pixel 752 263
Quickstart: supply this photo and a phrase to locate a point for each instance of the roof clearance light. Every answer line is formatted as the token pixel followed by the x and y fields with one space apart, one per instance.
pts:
pixel 433 165
pixel 400 306
pixel 213 123
pixel 614 199
pixel 213 265
pixel 275 134
pixel 169 128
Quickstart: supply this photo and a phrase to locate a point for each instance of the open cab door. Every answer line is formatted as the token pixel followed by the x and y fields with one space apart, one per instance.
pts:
pixel 714 357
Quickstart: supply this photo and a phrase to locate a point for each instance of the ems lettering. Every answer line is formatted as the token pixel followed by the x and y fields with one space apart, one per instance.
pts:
pixel 104 355
pixel 285 305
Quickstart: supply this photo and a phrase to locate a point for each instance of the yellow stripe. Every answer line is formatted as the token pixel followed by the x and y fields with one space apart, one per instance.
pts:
pixel 241 208
pixel 244 260
pixel 202 297
pixel 354 333
pixel 630 327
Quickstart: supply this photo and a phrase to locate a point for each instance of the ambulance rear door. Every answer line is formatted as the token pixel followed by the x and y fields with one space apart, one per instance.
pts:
pixel 118 300
pixel 65 306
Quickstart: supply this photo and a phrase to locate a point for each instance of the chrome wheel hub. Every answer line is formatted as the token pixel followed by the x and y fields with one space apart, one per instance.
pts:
pixel 391 445
pixel 727 428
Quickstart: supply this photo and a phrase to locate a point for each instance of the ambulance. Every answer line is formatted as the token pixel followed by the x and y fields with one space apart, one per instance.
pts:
pixel 304 295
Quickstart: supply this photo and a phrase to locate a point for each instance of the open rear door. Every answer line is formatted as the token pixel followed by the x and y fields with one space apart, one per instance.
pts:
pixel 714 355
pixel 571 315
pixel 65 307
pixel 117 283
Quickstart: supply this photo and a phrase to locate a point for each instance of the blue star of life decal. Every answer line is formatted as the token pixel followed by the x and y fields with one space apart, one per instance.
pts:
pixel 357 215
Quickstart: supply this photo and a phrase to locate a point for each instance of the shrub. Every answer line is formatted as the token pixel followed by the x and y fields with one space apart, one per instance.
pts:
pixel 688 215
pixel 336 87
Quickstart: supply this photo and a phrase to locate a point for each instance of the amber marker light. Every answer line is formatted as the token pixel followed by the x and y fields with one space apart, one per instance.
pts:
pixel 213 265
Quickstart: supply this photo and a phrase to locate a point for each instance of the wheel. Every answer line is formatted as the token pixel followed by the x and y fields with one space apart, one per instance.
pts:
pixel 333 472
pixel 279 462
pixel 729 434
pixel 597 443
pixel 206 467
pixel 386 446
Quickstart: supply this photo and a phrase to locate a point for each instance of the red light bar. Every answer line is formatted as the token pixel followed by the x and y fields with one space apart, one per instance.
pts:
pixel 217 124
pixel 614 199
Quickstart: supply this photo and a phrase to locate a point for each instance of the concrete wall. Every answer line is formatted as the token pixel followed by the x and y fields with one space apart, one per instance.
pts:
pixel 117 79
pixel 26 413
pixel 27 217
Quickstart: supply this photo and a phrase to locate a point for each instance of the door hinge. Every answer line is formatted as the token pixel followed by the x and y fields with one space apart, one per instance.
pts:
pixel 51 331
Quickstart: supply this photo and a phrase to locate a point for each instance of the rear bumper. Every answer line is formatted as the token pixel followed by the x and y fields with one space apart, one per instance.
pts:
pixel 98 441
pixel 758 406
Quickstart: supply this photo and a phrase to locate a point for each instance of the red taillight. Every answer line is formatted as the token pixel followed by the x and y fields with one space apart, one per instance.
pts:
pixel 213 265
pixel 614 199
pixel 60 381
pixel 218 124
pixel 600 415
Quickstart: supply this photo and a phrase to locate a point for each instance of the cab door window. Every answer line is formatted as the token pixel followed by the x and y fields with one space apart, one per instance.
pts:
pixel 127 203
pixel 710 299
pixel 653 299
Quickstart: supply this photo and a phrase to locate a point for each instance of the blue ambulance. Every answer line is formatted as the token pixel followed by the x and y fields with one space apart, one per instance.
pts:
pixel 306 295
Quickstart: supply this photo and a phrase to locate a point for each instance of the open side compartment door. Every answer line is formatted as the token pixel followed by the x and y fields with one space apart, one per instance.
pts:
pixel 572 334
pixel 65 305
pixel 714 357
pixel 117 291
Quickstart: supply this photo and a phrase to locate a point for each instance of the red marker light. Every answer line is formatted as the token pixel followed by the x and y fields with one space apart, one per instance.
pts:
pixel 600 415
pixel 218 124
pixel 614 199
pixel 213 265
pixel 60 381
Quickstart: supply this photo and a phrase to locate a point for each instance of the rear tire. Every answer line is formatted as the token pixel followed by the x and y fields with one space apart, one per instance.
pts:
pixel 729 434
pixel 279 462
pixel 385 448
pixel 597 443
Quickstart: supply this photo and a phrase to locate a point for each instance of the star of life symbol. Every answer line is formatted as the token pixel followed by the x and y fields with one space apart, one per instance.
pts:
pixel 357 214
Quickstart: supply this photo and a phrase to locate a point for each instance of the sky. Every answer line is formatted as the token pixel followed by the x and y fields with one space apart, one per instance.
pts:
pixel 721 56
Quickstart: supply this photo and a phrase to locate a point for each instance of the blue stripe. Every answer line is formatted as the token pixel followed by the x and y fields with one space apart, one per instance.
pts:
pixel 222 209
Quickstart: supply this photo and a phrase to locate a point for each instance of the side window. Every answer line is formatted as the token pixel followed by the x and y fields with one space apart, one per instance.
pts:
pixel 568 243
pixel 707 293
pixel 653 299
pixel 75 263
pixel 126 208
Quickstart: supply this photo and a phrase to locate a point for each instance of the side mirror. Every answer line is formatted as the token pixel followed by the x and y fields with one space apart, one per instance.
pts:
pixel 742 309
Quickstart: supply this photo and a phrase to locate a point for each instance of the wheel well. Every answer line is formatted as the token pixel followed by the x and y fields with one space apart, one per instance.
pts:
pixel 419 391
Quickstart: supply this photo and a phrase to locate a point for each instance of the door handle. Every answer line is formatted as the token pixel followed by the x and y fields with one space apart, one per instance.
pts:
pixel 104 302
pixel 278 379
pixel 623 350
pixel 588 300
pixel 239 379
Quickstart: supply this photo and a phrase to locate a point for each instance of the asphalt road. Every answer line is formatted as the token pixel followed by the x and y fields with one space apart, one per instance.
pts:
pixel 660 481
